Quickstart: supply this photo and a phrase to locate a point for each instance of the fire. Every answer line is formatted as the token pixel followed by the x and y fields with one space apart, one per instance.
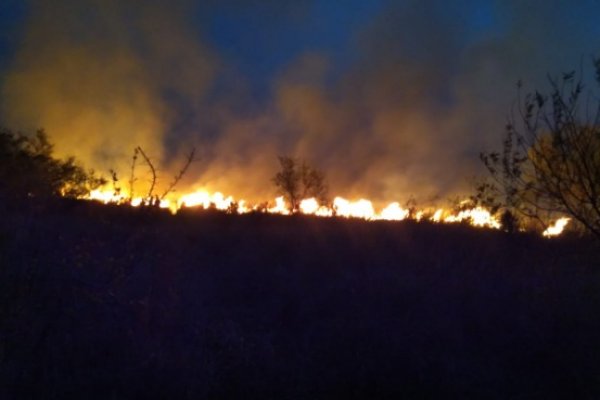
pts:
pixel 280 207
pixel 341 207
pixel 242 208
pixel 312 207
pixel 476 216
pixel 437 215
pixel 394 212
pixel 107 196
pixel 357 209
pixel 556 228
pixel 206 200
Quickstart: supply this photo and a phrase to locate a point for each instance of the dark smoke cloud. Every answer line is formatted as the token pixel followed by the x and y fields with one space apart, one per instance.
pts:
pixel 429 86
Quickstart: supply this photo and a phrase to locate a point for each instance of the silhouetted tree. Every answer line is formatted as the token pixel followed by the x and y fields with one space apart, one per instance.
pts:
pixel 188 161
pixel 28 169
pixel 287 181
pixel 151 198
pixel 297 181
pixel 549 164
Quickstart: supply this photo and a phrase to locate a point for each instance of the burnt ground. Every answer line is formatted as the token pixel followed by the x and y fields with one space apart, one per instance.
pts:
pixel 115 303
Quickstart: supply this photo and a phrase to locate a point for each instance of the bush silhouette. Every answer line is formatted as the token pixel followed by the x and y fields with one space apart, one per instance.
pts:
pixel 549 164
pixel 28 169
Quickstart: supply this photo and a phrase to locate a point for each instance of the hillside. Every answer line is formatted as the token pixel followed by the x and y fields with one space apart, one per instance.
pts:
pixel 112 302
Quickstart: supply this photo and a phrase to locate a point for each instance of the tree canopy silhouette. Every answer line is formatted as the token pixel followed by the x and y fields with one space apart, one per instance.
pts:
pixel 28 169
pixel 297 180
pixel 549 164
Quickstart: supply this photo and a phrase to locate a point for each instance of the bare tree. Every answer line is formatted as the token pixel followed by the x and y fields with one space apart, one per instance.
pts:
pixel 287 181
pixel 151 198
pixel 313 183
pixel 297 180
pixel 549 164
pixel 152 170
pixel 188 161
pixel 132 178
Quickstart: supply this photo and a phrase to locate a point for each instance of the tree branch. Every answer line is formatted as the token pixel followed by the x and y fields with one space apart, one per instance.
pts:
pixel 180 174
pixel 152 169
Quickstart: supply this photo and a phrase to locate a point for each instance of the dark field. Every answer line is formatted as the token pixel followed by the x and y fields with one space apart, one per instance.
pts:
pixel 112 303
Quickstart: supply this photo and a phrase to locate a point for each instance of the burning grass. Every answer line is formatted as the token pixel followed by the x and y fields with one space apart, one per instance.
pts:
pixel 340 207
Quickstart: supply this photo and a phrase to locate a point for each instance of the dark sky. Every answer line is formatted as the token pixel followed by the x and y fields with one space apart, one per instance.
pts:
pixel 391 98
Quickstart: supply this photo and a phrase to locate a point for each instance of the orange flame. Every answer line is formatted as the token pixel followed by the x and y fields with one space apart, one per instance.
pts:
pixel 341 207
pixel 393 212
pixel 312 207
pixel 556 228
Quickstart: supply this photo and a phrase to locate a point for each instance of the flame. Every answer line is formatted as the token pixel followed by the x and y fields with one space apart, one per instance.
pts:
pixel 437 216
pixel 206 200
pixel 280 207
pixel 242 208
pixel 357 209
pixel 312 207
pixel 556 228
pixel 476 216
pixel 106 196
pixel 136 202
pixel 341 207
pixel 394 212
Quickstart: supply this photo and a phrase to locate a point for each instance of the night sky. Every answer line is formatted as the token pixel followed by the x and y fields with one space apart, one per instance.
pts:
pixel 391 99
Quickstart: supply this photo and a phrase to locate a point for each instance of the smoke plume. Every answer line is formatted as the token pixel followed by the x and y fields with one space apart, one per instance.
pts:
pixel 422 89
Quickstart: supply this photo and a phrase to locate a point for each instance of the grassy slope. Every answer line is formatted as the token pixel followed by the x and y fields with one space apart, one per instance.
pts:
pixel 102 302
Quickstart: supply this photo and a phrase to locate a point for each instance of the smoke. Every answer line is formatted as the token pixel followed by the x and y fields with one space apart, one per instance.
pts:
pixel 420 89
pixel 101 77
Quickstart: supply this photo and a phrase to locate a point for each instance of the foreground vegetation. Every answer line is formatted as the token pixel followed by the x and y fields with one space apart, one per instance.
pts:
pixel 549 164
pixel 29 169
pixel 114 302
